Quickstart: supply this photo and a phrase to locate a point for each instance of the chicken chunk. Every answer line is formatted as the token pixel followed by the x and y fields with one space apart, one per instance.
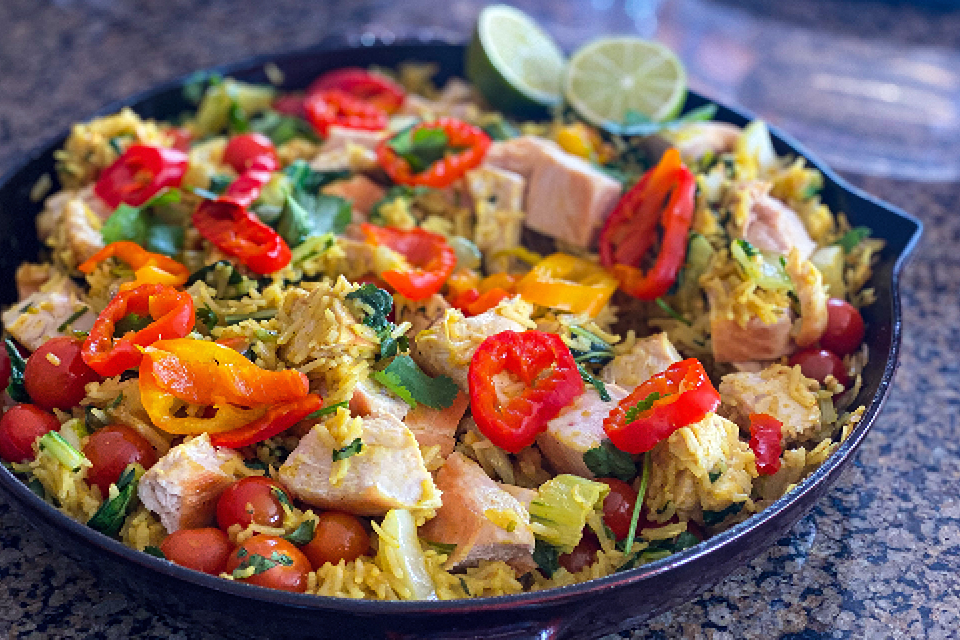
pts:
pixel 370 397
pixel 768 223
pixel 184 485
pixel 387 473
pixel 438 426
pixel 419 313
pixel 30 277
pixel 695 141
pixel 813 299
pixel 779 391
pixel 345 148
pixel 566 198
pixel 755 342
pixel 359 190
pixel 701 467
pixel 497 200
pixel 58 307
pixel 646 357
pixel 484 521
pixel 70 225
pixel 577 429
pixel 448 345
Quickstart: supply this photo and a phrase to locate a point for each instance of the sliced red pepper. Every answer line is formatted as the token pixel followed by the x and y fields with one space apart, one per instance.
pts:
pixel 430 256
pixel 664 196
pixel 467 144
pixel 239 233
pixel 172 313
pixel 675 398
pixel 335 107
pixel 277 419
pixel 551 381
pixel 766 434
pixel 148 267
pixel 374 88
pixel 139 173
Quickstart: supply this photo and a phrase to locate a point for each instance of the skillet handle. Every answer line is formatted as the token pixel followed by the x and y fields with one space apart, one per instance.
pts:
pixel 526 631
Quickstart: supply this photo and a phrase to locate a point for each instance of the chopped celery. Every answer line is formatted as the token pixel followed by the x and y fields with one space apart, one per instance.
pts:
pixel 68 455
pixel 559 512
pixel 220 99
pixel 829 262
pixel 755 148
pixel 766 270
pixel 400 552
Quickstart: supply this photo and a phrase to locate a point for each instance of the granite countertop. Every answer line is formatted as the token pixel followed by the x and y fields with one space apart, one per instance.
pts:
pixel 880 555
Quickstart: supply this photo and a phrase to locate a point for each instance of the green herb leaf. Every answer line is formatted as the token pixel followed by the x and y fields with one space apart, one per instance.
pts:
pixel 140 225
pixel 281 497
pixel 606 461
pixel 394 193
pixel 323 411
pixel 302 534
pixel 304 177
pixel 131 322
pixel 547 557
pixel 207 317
pixel 379 304
pixel 407 380
pixel 154 551
pixel 259 564
pixel 645 404
pixel 852 238
pixel 351 449
pixel 110 516
pixel 16 387
pixel 281 128
pixel 598 353
pixel 501 129
pixel 420 147
pixel 305 215
pixel 711 518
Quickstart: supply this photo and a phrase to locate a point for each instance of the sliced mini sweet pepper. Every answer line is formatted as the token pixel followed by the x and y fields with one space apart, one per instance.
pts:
pixel 148 267
pixel 675 398
pixel 373 88
pixel 430 257
pixel 139 173
pixel 548 381
pixel 172 313
pixel 239 233
pixel 276 420
pixel 433 154
pixel 664 197
pixel 207 373
pixel 568 283
pixel 328 107
pixel 766 433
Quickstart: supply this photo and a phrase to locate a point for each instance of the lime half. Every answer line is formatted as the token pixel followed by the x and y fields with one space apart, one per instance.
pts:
pixel 619 81
pixel 516 66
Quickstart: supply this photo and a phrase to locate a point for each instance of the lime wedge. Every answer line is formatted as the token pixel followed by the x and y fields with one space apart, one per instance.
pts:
pixel 618 81
pixel 516 66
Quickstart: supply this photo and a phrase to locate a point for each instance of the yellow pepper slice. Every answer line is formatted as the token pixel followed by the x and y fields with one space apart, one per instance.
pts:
pixel 568 283
pixel 148 267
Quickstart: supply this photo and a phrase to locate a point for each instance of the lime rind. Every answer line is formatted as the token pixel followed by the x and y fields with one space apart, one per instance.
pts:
pixel 611 77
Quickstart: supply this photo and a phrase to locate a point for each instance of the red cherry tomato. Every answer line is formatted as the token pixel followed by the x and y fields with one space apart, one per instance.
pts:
pixel 205 549
pixel 111 449
pixel 243 149
pixel 583 555
pixel 338 536
pixel 252 499
pixel 818 363
pixel 20 426
pixel 618 506
pixel 845 330
pixel 55 375
pixel 5 369
pixel 287 574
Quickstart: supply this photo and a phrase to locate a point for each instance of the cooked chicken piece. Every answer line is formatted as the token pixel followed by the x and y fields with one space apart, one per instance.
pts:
pixel 45 313
pixel 184 485
pixel 456 100
pixel 348 149
pixel 768 223
pixel 483 520
pixel 779 391
pixel 359 190
pixel 567 198
pixel 497 200
pixel 701 467
pixel 696 140
pixel 355 258
pixel 756 341
pixel 448 345
pixel 646 357
pixel 419 313
pixel 577 429
pixel 369 397
pixel 437 426
pixel 813 299
pixel 341 137
pixel 387 473
pixel 70 225
pixel 30 277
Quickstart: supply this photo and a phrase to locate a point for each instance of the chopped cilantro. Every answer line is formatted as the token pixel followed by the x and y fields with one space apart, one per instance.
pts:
pixel 253 563
pixel 547 557
pixel 598 353
pixel 394 193
pixel 634 412
pixel 420 147
pixel 154 551
pixel 140 225
pixel 207 317
pixel 281 497
pixel 351 449
pixel 852 238
pixel 110 516
pixel 711 518
pixel 379 304
pixel 302 534
pixel 606 461
pixel 407 380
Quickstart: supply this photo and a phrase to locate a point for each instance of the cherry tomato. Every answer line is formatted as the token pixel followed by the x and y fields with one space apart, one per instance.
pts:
pixel 244 148
pixel 5 369
pixel 618 506
pixel 205 549
pixel 845 330
pixel 338 536
pixel 111 449
pixel 252 499
pixel 818 363
pixel 55 375
pixel 20 426
pixel 583 555
pixel 289 574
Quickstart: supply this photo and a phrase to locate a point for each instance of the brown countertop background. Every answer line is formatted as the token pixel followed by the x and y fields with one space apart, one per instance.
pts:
pixel 879 557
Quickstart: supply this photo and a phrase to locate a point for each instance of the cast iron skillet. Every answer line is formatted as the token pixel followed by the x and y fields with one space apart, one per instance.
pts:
pixel 588 609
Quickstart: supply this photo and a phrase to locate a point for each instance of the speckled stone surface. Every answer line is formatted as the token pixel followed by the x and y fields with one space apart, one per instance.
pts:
pixel 879 557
